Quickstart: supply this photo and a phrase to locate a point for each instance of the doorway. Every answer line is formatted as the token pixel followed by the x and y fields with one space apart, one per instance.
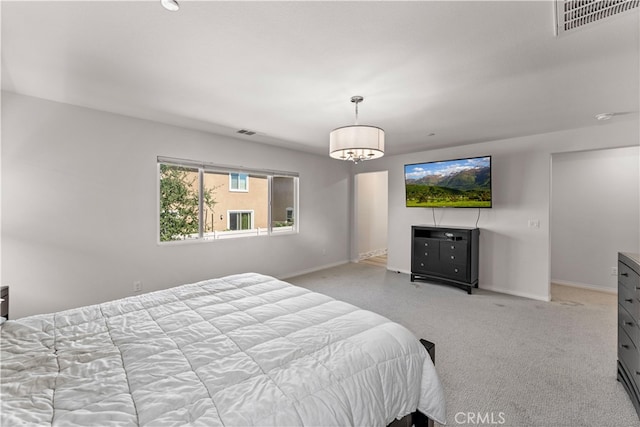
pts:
pixel 371 217
pixel 594 215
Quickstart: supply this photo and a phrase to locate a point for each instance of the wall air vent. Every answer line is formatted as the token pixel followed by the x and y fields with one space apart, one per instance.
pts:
pixel 246 132
pixel 572 15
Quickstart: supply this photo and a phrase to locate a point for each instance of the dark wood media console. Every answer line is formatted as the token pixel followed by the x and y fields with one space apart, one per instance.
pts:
pixel 446 255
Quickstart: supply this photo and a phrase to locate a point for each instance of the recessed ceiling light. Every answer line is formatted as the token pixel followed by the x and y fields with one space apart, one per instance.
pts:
pixel 609 116
pixel 171 5
pixel 604 116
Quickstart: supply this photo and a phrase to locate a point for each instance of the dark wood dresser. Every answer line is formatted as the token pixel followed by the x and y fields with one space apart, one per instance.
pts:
pixel 629 325
pixel 446 255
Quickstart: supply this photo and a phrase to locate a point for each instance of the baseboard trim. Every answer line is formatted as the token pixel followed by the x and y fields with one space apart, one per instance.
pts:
pixel 517 293
pixel 311 270
pixel 398 270
pixel 585 286
pixel 492 289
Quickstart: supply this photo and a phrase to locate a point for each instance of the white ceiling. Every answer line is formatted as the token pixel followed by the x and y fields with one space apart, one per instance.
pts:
pixel 464 71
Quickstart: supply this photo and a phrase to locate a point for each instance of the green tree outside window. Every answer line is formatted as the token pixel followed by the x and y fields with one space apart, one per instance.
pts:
pixel 180 202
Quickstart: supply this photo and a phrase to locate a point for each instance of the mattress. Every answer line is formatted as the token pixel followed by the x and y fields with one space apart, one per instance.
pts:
pixel 240 350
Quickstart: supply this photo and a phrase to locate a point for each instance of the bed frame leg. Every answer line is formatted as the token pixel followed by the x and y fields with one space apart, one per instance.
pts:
pixel 419 419
pixel 431 349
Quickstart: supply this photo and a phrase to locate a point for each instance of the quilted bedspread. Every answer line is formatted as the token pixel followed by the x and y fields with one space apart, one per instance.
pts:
pixel 241 350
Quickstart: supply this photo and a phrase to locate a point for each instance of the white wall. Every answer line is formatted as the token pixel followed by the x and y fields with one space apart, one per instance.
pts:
pixel 514 258
pixel 371 207
pixel 594 215
pixel 79 200
pixel 79 206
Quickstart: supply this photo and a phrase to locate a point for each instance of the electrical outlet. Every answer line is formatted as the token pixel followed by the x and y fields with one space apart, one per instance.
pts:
pixel 534 223
pixel 137 286
pixel 614 271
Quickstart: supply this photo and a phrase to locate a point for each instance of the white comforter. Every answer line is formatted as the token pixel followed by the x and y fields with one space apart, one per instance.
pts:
pixel 237 351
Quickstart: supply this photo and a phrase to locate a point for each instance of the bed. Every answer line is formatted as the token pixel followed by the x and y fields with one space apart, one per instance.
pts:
pixel 241 350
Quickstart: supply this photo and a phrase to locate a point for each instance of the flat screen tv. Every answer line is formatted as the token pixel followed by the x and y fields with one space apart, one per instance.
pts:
pixel 460 183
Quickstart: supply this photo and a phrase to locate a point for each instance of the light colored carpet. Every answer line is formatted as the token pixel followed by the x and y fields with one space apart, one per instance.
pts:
pixel 521 362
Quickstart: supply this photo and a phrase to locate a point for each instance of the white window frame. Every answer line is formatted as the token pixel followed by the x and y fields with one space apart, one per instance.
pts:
pixel 204 167
pixel 246 180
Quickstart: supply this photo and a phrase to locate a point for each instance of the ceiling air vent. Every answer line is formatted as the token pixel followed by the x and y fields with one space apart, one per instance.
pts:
pixel 246 132
pixel 572 15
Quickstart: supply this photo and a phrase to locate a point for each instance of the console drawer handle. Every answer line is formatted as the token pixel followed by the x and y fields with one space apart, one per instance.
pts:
pixel 624 274
pixel 628 323
pixel 629 300
pixel 624 346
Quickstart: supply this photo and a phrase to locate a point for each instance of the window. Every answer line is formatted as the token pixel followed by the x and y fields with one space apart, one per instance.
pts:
pixel 238 182
pixel 201 201
pixel 240 220
pixel 282 200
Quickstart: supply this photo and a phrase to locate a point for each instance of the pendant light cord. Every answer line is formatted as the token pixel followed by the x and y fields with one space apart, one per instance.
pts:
pixel 357 99
pixel 357 111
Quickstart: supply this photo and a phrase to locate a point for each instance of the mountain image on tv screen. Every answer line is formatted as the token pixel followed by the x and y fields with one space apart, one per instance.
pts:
pixel 461 183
